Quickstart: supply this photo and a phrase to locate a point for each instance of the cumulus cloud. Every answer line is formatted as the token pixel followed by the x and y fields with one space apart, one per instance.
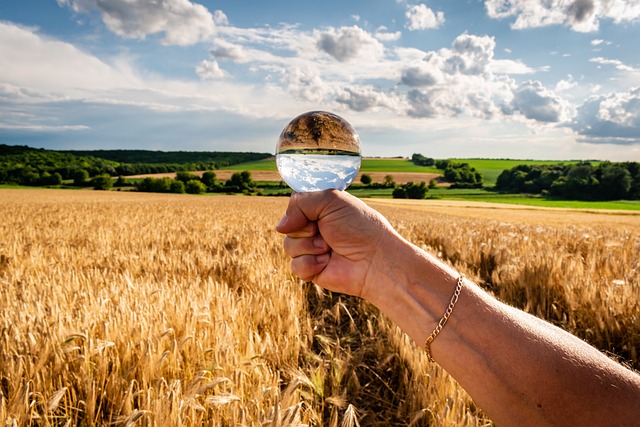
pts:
pixel 456 81
pixel 579 15
pixel 180 21
pixel 224 50
pixel 421 17
pixel 427 72
pixel 349 43
pixel 366 98
pixel 535 102
pixel 305 84
pixel 611 119
pixel 470 54
pixel 209 70
pixel 384 36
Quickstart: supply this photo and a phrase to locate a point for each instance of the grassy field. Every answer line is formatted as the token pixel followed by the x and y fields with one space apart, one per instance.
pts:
pixel 368 165
pixel 175 310
pixel 490 168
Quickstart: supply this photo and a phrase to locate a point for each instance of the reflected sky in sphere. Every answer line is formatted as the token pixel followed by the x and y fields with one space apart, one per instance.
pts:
pixel 312 172
pixel 318 151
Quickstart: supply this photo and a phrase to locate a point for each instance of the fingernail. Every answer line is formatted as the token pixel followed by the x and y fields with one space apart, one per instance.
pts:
pixel 282 222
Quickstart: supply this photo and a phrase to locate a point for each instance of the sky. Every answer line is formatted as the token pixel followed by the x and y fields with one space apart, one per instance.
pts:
pixel 519 79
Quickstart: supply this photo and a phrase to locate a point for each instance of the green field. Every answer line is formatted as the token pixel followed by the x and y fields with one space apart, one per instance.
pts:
pixel 492 168
pixel 368 165
pixel 259 165
pixel 489 168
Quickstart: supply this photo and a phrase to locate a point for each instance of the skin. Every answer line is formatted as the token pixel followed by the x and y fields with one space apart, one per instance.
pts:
pixel 519 369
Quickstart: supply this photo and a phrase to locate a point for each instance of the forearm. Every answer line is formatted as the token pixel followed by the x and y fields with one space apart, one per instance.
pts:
pixel 519 369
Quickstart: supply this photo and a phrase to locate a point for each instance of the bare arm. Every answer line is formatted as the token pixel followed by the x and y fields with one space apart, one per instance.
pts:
pixel 519 369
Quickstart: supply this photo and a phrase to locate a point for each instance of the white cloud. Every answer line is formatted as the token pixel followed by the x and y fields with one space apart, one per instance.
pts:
pixel 224 50
pixel 457 81
pixel 579 15
pixel 612 119
pixel 421 17
pixel 565 85
pixel 535 102
pixel 305 84
pixel 349 43
pixel 33 61
pixel 618 65
pixel 385 36
pixel 210 70
pixel 180 21
pixel 471 54
pixel 366 98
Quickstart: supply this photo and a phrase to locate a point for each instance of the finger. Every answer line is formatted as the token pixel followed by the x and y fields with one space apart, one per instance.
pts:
pixel 295 247
pixel 307 267
pixel 310 229
pixel 305 207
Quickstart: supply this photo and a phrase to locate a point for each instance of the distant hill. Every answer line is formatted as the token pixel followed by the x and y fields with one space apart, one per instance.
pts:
pixel 219 158
pixel 35 166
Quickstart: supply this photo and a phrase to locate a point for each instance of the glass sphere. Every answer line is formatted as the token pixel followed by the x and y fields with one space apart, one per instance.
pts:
pixel 318 151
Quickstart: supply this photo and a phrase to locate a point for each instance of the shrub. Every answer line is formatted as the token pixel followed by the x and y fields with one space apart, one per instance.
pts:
pixel 101 182
pixel 410 191
pixel 194 186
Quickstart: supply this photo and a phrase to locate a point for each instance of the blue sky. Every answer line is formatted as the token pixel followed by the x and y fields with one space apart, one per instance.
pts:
pixel 526 79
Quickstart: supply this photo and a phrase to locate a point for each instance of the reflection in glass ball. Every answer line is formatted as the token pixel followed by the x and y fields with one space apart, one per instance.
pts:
pixel 318 151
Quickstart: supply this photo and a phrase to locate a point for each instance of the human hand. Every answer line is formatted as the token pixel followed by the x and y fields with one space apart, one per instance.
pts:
pixel 335 240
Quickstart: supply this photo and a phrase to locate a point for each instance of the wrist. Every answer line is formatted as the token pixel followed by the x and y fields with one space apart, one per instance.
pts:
pixel 412 287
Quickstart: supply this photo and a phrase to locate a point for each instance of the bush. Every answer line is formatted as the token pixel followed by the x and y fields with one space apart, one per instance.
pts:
pixel 410 191
pixel 366 179
pixel 101 182
pixel 186 177
pixel 80 178
pixel 177 187
pixel 195 187
pixel 209 180
pixel 420 160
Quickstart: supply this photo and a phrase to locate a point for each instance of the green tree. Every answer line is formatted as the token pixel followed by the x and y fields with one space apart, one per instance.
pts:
pixel 186 176
pixel 101 182
pixel 615 183
pixel 195 187
pixel 240 182
pixel 120 182
pixel 366 179
pixel 209 180
pixel 410 191
pixel 177 187
pixel 420 160
pixel 388 181
pixel 80 177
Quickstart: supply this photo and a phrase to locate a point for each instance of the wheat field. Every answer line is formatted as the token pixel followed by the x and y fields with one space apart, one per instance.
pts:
pixel 174 310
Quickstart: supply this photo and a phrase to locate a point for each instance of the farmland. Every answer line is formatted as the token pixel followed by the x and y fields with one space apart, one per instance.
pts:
pixel 163 310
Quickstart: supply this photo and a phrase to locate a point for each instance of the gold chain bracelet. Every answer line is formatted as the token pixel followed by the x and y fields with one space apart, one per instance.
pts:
pixel 443 321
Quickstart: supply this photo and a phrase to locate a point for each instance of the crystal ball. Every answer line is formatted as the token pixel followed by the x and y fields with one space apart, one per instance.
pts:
pixel 318 151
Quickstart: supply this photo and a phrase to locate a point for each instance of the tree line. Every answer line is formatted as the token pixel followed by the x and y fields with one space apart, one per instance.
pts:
pixel 459 174
pixel 24 165
pixel 185 182
pixel 578 181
